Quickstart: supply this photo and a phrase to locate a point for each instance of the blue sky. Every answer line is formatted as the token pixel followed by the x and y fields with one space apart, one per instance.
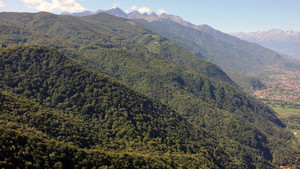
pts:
pixel 224 15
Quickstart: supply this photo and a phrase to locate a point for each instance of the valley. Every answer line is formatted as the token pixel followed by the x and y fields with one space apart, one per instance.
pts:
pixel 289 113
pixel 282 93
pixel 281 85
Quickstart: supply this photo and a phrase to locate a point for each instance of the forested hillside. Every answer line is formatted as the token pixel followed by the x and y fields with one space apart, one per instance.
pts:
pixel 33 136
pixel 92 111
pixel 202 93
pixel 76 35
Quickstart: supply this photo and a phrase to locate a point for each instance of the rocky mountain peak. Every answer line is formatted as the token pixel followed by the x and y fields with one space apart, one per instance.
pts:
pixel 117 12
pixel 153 14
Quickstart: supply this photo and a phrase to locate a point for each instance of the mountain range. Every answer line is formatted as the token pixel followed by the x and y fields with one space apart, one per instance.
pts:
pixel 243 61
pixel 136 15
pixel 132 96
pixel 285 42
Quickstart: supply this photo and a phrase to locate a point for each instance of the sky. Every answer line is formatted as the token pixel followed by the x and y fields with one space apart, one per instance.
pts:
pixel 225 15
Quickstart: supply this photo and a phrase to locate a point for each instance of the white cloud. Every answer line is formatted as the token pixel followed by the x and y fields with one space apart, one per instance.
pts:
pixel 144 9
pixel 63 5
pixel 134 7
pixel 115 5
pixel 68 5
pixel 41 5
pixel 160 11
pixel 2 3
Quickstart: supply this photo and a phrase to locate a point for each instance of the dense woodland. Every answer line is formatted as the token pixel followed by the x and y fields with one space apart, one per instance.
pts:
pixel 93 111
pixel 196 116
pixel 28 141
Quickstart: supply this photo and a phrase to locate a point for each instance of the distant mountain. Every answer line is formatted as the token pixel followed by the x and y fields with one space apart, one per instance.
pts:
pixel 153 14
pixel 116 12
pixel 86 13
pixel 285 42
pixel 135 15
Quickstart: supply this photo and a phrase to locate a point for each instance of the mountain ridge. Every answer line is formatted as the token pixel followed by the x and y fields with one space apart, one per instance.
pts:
pixel 285 42
pixel 241 60
pixel 134 15
pixel 230 41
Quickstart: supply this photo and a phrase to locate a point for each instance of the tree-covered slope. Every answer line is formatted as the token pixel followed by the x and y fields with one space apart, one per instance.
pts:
pixel 102 31
pixel 94 111
pixel 33 136
pixel 158 68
